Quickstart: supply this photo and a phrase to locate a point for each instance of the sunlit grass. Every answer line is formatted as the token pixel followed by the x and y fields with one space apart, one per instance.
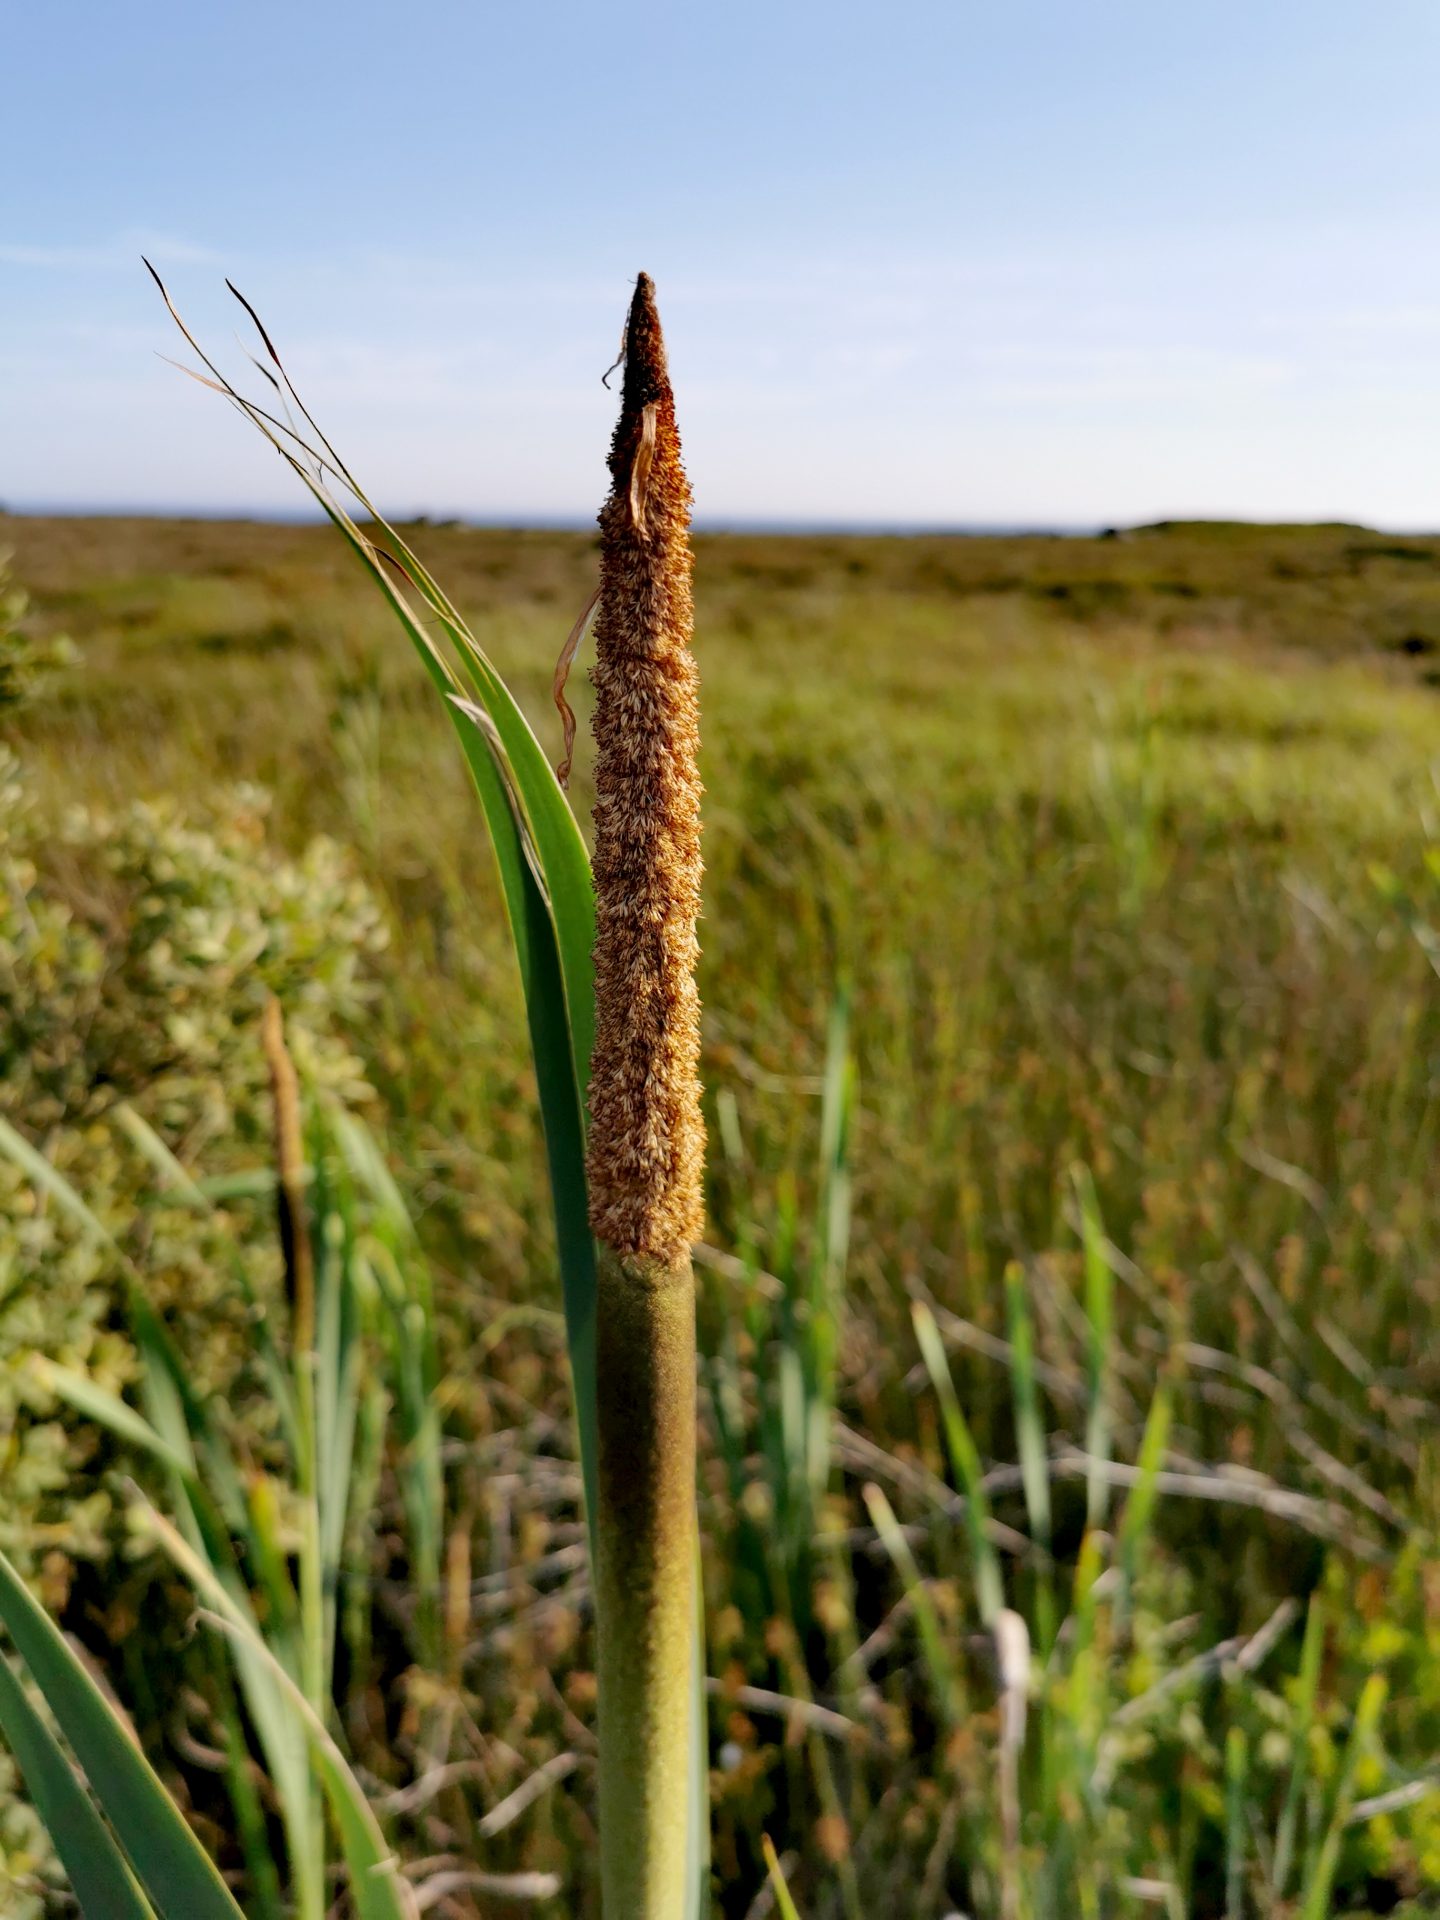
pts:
pixel 1095 880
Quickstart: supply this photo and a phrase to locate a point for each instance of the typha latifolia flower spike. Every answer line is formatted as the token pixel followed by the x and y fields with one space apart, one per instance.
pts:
pixel 646 1142
pixel 647 1139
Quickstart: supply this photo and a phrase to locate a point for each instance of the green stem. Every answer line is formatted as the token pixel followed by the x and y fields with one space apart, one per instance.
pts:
pixel 311 1888
pixel 645 1580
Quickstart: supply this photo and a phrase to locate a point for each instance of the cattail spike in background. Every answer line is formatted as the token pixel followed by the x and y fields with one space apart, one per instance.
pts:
pixel 646 1140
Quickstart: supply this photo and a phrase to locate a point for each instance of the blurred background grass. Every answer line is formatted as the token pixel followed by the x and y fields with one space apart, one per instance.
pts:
pixel 1121 851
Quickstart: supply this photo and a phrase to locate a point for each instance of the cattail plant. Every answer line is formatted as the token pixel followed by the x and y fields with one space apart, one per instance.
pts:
pixel 646 1141
pixel 607 967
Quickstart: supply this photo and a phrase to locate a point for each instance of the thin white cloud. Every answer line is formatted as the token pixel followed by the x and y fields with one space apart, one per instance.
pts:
pixel 121 250
pixel 1056 384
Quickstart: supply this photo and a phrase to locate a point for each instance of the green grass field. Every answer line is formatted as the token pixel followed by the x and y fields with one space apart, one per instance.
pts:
pixel 1115 854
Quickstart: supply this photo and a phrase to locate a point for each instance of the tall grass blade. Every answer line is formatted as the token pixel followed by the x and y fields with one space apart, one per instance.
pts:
pixel 212 1506
pixel 366 1161
pixel 173 1867
pixel 543 866
pixel 1030 1441
pixel 279 1382
pixel 965 1464
pixel 108 1410
pixel 99 1873
pixel 1237 1762
pixel 379 1890
pixel 784 1905
pixel 408 1328
pixel 1086 1691
pixel 1315 1903
pixel 1307 1691
pixel 50 1180
pixel 251 1827
pixel 939 1660
pixel 401 1282
pixel 832 1245
pixel 340 1327
pixel 1140 1507
pixel 1099 1287
pixel 174 1178
pixel 177 1432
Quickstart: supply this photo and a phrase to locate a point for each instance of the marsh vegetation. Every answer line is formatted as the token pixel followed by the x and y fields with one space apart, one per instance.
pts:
pixel 1070 1052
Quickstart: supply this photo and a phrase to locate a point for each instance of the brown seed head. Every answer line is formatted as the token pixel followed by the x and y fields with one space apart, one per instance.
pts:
pixel 647 1138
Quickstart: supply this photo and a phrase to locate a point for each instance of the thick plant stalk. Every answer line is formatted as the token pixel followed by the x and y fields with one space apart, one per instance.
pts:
pixel 646 1141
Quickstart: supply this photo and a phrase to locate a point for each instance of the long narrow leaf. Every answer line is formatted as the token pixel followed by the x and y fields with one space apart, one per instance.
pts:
pixel 1029 1425
pixel 50 1180
pixel 1030 1442
pixel 380 1890
pixel 143 1137
pixel 174 1868
pixel 551 1041
pixel 551 913
pixel 212 1507
pixel 1307 1690
pixel 832 1246
pixel 1140 1507
pixel 965 1463
pixel 1237 1762
pixel 1099 1317
pixel 252 1831
pixel 784 1905
pixel 1315 1903
pixel 109 1410
pixel 944 1672
pixel 99 1873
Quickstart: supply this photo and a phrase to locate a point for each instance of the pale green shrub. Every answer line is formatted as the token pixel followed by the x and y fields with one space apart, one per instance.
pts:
pixel 26 659
pixel 136 951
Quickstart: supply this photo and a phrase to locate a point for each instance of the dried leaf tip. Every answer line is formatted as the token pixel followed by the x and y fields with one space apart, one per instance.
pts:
pixel 647 1141
pixel 646 377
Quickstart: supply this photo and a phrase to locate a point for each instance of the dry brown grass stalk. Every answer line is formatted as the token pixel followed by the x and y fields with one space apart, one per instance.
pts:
pixel 290 1176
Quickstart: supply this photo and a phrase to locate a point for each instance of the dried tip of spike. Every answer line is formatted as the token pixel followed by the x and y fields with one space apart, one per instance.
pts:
pixel 647 375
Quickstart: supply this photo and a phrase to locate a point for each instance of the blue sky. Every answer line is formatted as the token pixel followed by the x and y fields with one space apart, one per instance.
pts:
pixel 1051 262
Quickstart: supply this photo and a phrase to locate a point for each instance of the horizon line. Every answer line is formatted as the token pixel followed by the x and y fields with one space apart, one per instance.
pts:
pixel 817 527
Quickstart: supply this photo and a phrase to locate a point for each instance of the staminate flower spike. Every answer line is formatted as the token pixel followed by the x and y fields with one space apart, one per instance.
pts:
pixel 646 1141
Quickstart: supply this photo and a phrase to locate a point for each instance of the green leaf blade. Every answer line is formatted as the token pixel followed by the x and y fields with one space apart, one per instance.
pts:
pixel 174 1868
pixel 99 1873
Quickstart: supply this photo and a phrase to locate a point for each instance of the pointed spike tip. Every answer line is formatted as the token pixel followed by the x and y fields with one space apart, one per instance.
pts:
pixel 647 374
